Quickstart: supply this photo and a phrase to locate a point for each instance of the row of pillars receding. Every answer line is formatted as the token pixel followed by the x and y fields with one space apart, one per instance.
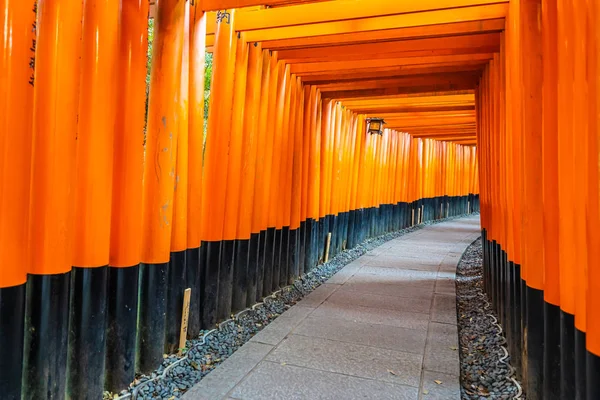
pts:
pixel 538 127
pixel 109 215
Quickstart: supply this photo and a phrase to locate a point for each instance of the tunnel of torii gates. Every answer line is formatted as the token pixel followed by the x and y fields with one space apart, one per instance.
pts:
pixel 106 221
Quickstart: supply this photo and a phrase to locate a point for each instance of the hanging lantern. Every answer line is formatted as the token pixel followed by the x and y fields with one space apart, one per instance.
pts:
pixel 375 125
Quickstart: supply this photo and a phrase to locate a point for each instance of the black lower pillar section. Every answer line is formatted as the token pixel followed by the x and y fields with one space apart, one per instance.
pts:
pixel 240 275
pixel 176 286
pixel 152 318
pixel 192 277
pixel 121 327
pixel 535 343
pixel 312 226
pixel 276 260
pixel 201 290
pixel 284 259
pixel 252 275
pixel 302 249
pixel 46 336
pixel 314 233
pixel 517 332
pixel 87 333
pixel 268 263
pixel 351 235
pixel 580 360
pixel 523 317
pixel 225 279
pixel 293 256
pixel 551 352
pixel 12 317
pixel 260 267
pixel 567 355
pixel 593 376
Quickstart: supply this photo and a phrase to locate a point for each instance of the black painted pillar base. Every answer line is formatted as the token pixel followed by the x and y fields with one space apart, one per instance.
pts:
pixel 210 292
pixel 517 333
pixel 202 279
pixel 535 343
pixel 121 327
pixel 193 278
pixel 260 266
pixel 225 279
pixel 567 355
pixel 276 260
pixel 12 317
pixel 87 333
pixel 268 263
pixel 351 232
pixel 241 274
pixel 284 259
pixel 46 336
pixel 593 376
pixel 312 226
pixel 580 366
pixel 293 256
pixel 152 316
pixel 302 247
pixel 176 286
pixel 253 256
pixel 551 352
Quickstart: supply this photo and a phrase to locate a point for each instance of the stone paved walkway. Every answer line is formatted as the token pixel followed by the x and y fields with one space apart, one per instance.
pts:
pixel 384 327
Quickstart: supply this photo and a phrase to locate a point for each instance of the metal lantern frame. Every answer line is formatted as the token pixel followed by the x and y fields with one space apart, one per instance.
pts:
pixel 375 125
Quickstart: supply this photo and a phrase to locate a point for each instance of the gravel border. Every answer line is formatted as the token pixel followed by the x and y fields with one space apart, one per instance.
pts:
pixel 177 374
pixel 485 369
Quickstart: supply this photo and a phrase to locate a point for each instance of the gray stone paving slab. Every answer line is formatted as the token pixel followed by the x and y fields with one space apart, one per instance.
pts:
pixel 318 296
pixel 273 381
pixel 370 315
pixel 382 336
pixel 411 304
pixel 224 378
pixel 441 351
pixel 447 389
pixel 282 326
pixel 349 359
pixel 384 327
pixel 422 289
pixel 444 309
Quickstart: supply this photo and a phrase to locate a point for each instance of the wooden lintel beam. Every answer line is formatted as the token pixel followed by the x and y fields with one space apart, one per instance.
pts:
pixel 331 77
pixel 389 92
pixel 397 46
pixel 411 109
pixel 441 79
pixel 328 11
pixel 300 69
pixel 438 30
pixel 424 18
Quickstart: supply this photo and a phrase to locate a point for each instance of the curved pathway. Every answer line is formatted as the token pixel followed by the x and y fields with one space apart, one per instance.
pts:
pixel 383 327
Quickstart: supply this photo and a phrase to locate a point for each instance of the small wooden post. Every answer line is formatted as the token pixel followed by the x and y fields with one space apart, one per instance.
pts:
pixel 327 246
pixel 185 314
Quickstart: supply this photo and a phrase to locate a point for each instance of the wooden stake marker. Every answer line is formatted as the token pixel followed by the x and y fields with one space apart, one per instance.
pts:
pixel 185 315
pixel 327 246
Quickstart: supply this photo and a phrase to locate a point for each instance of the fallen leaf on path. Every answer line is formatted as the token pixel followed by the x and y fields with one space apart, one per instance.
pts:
pixel 438 382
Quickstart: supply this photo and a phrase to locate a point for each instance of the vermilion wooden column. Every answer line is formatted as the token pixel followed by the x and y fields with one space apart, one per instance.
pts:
pixel 126 213
pixel 195 261
pixel 51 224
pixel 566 195
pixel 159 181
pixel 16 102
pixel 216 161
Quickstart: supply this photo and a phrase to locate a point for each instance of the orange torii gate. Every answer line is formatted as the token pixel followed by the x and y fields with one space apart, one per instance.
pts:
pixel 109 214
